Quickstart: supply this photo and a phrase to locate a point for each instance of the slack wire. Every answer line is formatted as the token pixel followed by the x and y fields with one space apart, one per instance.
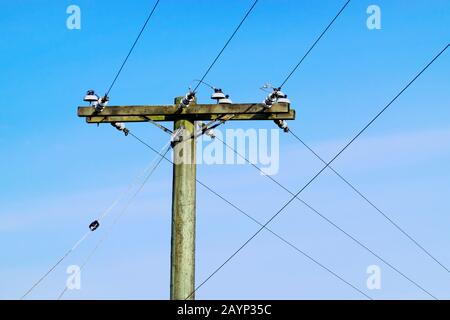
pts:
pixel 226 44
pixel 132 47
pixel 391 221
pixel 299 251
pixel 88 233
pixel 314 44
pixel 84 237
pixel 55 265
pixel 328 163
pixel 124 210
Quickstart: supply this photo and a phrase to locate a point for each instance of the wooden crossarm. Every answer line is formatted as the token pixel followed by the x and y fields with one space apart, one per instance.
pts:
pixel 171 110
pixel 204 117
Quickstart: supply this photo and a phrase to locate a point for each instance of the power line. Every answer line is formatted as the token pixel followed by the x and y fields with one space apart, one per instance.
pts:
pixel 124 210
pixel 295 68
pixel 284 240
pixel 132 47
pixel 53 267
pixel 226 45
pixel 373 119
pixel 314 44
pixel 396 225
pixel 87 234
pixel 75 246
pixel 258 222
pixel 324 218
pixel 320 215
pixel 328 163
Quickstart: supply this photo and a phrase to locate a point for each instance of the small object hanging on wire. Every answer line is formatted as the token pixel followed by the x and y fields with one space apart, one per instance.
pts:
pixel 94 225
pixel 188 99
pixel 282 124
pixel 121 127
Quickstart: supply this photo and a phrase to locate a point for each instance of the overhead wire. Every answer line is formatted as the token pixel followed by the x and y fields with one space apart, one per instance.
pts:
pixel 115 202
pixel 216 59
pixel 296 66
pixel 372 204
pixel 226 45
pixel 314 44
pixel 332 223
pixel 100 218
pixel 132 47
pixel 258 222
pixel 155 163
pixel 53 267
pixel 328 163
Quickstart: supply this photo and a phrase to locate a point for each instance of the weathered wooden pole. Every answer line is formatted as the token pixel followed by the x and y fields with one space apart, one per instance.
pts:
pixel 182 277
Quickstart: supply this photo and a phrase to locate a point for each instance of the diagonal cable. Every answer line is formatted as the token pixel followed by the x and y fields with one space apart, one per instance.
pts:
pixel 396 225
pixel 258 222
pixel 132 48
pixel 314 44
pixel 328 163
pixel 332 223
pixel 88 233
pixel 123 211
pixel 226 45
pixel 53 267
pixel 102 216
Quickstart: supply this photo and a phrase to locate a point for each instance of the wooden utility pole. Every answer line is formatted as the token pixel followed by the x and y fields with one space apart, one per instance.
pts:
pixel 182 271
pixel 182 282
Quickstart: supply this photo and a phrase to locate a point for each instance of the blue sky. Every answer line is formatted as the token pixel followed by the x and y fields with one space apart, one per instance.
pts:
pixel 58 173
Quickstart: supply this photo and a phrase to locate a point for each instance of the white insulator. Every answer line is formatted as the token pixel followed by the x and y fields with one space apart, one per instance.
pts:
pixel 283 100
pixel 91 96
pixel 218 94
pixel 225 100
pixel 119 126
